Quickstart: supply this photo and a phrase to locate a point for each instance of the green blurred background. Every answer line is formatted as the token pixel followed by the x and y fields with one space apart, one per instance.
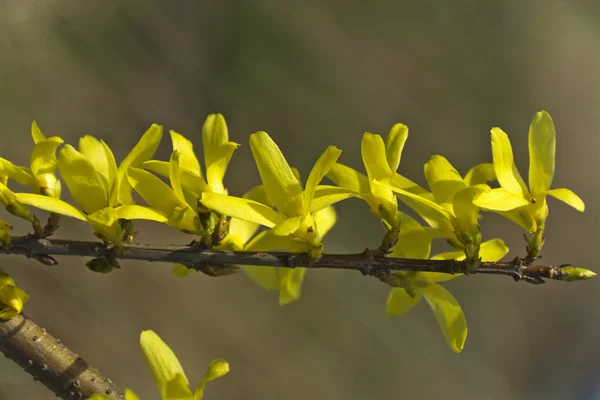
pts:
pixel 311 74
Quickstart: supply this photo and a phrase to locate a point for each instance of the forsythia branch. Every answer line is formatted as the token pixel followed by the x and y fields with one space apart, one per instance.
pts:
pixel 369 262
pixel 50 362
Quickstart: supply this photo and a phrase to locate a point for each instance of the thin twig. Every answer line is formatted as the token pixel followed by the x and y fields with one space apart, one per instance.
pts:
pixel 50 362
pixel 368 262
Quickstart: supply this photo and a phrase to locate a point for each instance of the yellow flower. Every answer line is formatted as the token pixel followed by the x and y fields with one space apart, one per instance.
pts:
pixel 295 207
pixel 98 187
pixel 381 160
pixel 12 298
pixel 415 242
pixel 168 374
pixel 169 201
pixel 217 154
pixel 526 206
pixel 41 177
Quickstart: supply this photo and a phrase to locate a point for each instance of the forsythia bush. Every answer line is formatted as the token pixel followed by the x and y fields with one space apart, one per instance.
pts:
pixel 295 215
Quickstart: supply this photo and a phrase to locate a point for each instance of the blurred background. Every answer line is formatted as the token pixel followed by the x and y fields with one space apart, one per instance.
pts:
pixel 311 74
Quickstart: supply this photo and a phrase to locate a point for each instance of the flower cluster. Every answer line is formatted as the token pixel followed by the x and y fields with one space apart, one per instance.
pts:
pixel 294 214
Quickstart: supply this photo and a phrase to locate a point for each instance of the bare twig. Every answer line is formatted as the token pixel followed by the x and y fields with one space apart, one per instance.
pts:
pixel 50 362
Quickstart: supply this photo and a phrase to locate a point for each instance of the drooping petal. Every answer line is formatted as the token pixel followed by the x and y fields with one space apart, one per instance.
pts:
pixel 217 151
pixel 50 204
pixel 86 185
pixel 189 180
pixel 542 150
pixel 105 224
pixel 94 151
pixel 217 369
pixel 142 151
pixel 399 302
pixel 374 157
pixel 318 172
pixel 325 196
pixel 245 209
pixel 265 277
pixel 500 199
pixel 187 159
pixel 465 211
pixel 448 314
pixel 413 244
pixel 504 164
pixel 394 144
pixel 161 361
pixel 522 217
pixel 349 178
pixel 568 197
pixel 481 173
pixel 325 220
pixel 290 284
pixel 444 181
pixel 278 179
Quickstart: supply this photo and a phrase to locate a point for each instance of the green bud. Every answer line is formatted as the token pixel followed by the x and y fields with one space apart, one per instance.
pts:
pixel 570 273
pixel 103 265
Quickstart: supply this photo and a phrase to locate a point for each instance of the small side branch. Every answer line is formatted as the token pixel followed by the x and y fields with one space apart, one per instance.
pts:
pixel 50 362
pixel 368 262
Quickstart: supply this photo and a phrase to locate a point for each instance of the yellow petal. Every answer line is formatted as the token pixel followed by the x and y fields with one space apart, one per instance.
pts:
pixel 287 226
pixel 325 220
pixel 394 144
pixel 504 164
pixel 266 277
pixel 279 182
pixel 43 164
pixel 185 148
pixel 85 184
pixel 374 157
pixel 481 173
pixel 153 190
pixel 129 395
pixel 112 175
pixel 217 151
pixel 465 211
pixel 290 284
pixel 542 150
pixel 12 298
pixel 105 224
pixel 50 204
pixel 435 215
pixel 493 250
pixel 406 184
pixel 217 369
pixel 180 270
pixel 500 199
pixel 18 174
pixel 522 217
pixel 568 197
pixel 161 360
pixel 134 211
pixel 245 209
pixel 318 172
pixel 258 193
pixel 444 181
pixel 177 389
pixel 449 316
pixel 36 133
pixel 325 196
pixel 399 302
pixel 94 151
pixel 349 178
pixel 175 178
pixel 189 180
pixel 413 244
pixel 142 151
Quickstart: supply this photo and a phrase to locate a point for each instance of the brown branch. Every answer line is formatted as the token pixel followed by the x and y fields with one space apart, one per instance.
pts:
pixel 50 362
pixel 369 262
